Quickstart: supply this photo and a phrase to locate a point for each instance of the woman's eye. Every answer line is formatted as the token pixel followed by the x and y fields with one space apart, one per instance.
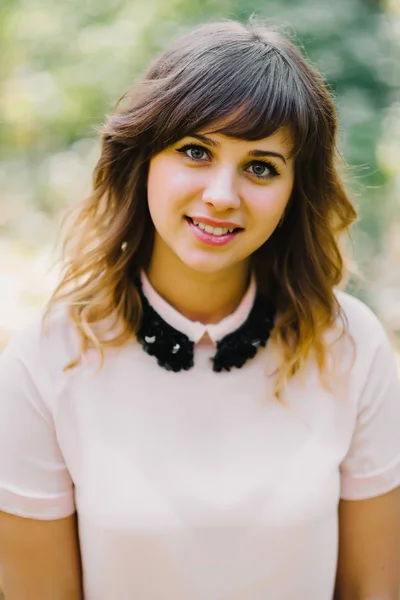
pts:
pixel 197 153
pixel 194 152
pixel 262 169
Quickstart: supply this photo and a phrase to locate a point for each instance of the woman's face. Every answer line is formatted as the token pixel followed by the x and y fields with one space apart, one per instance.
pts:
pixel 214 199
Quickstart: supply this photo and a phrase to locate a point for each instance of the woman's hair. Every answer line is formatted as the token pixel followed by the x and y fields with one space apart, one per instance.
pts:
pixel 244 81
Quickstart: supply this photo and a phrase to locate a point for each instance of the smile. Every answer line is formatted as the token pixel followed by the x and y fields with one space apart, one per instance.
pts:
pixel 213 236
pixel 213 230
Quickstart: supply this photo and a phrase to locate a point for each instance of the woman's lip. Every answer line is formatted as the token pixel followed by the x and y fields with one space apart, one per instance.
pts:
pixel 215 223
pixel 209 238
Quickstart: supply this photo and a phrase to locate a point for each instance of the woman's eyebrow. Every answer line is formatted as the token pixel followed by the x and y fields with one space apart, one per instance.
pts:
pixel 262 153
pixel 254 153
pixel 205 140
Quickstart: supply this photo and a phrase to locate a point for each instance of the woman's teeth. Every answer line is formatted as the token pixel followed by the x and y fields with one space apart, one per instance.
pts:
pixel 213 230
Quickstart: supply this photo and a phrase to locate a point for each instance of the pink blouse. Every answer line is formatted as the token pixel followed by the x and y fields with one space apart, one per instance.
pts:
pixel 198 485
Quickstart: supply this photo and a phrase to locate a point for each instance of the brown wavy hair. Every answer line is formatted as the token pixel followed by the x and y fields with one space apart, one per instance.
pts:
pixel 210 75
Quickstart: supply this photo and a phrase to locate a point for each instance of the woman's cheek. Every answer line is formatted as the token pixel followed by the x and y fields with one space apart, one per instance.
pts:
pixel 183 183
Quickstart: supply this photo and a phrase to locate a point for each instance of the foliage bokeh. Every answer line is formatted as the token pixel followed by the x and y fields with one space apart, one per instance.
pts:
pixel 65 64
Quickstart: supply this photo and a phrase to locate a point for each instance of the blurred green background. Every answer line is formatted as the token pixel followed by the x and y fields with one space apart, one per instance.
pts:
pixel 64 64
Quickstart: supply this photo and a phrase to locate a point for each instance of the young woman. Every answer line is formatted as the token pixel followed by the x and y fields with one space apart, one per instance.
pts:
pixel 203 415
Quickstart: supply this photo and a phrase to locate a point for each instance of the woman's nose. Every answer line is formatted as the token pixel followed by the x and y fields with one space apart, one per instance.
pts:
pixel 221 190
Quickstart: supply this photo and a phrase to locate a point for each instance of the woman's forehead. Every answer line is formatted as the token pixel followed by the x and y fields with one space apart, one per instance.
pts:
pixel 242 124
pixel 281 138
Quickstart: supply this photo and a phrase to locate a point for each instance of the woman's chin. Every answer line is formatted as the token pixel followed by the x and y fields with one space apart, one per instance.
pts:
pixel 207 264
pixel 204 267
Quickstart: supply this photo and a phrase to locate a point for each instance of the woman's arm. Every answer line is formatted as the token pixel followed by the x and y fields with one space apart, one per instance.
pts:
pixel 369 548
pixel 39 560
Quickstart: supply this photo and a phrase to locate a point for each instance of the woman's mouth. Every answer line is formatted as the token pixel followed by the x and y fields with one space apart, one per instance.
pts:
pixel 213 236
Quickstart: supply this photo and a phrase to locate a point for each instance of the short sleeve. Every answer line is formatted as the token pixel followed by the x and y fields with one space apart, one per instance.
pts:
pixel 372 464
pixel 34 480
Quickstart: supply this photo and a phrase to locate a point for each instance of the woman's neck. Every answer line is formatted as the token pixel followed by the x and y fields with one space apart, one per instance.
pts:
pixel 204 297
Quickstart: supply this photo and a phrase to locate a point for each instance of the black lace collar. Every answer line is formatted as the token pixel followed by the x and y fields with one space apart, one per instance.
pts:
pixel 174 351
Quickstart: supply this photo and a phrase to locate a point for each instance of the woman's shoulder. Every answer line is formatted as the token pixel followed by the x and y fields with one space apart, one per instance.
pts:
pixel 363 325
pixel 44 343
pixel 32 365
